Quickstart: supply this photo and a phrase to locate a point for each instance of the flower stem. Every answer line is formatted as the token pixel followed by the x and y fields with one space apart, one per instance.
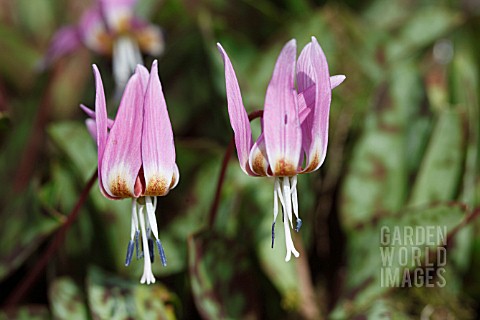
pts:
pixel 16 296
pixel 221 178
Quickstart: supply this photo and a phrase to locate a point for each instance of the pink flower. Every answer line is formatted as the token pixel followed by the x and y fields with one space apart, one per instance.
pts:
pixel 294 134
pixel 136 156
pixel 110 28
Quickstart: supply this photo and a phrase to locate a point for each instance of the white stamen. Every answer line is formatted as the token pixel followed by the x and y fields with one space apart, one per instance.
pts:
pixel 288 199
pixel 147 266
pixel 278 187
pixel 126 56
pixel 151 215
pixel 275 199
pixel 293 188
pixel 287 196
pixel 288 239
pixel 134 219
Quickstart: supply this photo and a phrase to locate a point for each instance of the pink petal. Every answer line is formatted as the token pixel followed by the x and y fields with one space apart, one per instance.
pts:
pixel 337 80
pixel 306 100
pixel 117 13
pixel 238 115
pixel 92 31
pixel 144 76
pixel 101 121
pixel 281 123
pixel 65 41
pixel 118 3
pixel 92 115
pixel 122 157
pixel 158 149
pixel 92 128
pixel 313 70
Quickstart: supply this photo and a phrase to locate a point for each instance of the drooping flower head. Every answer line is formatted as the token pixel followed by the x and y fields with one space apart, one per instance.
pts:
pixel 109 27
pixel 294 133
pixel 136 156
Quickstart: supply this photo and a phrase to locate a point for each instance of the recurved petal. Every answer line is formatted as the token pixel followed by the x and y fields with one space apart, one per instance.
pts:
pixel 122 157
pixel 336 80
pixel 313 70
pixel 101 123
pixel 65 41
pixel 280 117
pixel 175 177
pixel 149 37
pixel 258 157
pixel 117 13
pixel 158 149
pixel 238 115
pixel 92 128
pixel 92 115
pixel 92 31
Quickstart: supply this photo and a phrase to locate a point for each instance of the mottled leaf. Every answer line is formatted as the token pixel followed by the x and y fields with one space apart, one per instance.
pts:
pixel 381 252
pixel 28 312
pixel 67 300
pixel 438 177
pixel 110 297
pixel 221 278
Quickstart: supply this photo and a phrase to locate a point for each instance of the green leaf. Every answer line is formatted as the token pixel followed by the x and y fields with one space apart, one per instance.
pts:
pixel 111 297
pixel 424 26
pixel 28 312
pixel 23 235
pixel 438 177
pixel 370 246
pixel 67 300
pixel 21 72
pixel 73 140
pixel 221 278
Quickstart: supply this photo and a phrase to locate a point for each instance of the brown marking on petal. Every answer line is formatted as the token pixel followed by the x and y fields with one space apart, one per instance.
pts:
pixel 314 162
pixel 119 188
pixel 258 164
pixel 157 186
pixel 285 169
pixel 173 182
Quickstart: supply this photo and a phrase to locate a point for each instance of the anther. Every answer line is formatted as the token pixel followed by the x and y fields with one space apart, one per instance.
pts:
pixel 299 224
pixel 161 252
pixel 130 248
pixel 273 233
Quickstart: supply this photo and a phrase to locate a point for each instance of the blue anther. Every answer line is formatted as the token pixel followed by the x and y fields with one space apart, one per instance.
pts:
pixel 130 248
pixel 299 224
pixel 150 250
pixel 161 252
pixel 273 233
pixel 137 246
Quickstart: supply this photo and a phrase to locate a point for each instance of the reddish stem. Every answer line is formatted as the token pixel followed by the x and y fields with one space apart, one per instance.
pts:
pixel 221 178
pixel 16 296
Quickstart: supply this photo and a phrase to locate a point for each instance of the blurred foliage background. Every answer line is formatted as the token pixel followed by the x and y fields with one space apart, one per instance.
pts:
pixel 403 151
